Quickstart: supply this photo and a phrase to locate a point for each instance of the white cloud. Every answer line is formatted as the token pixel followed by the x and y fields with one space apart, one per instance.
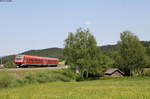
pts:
pixel 88 22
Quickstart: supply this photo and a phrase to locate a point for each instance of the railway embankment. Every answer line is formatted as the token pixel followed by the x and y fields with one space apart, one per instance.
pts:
pixel 34 68
pixel 24 76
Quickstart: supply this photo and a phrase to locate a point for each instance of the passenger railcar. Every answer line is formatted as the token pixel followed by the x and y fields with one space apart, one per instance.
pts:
pixel 26 60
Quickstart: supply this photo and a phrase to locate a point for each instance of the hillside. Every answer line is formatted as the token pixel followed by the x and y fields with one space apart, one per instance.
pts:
pixel 108 49
pixel 58 52
pixel 49 52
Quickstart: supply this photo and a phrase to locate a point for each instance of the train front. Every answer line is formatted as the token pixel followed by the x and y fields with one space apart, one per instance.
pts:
pixel 18 60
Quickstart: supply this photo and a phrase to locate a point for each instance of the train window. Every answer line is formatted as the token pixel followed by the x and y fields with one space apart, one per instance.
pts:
pixel 51 61
pixel 18 58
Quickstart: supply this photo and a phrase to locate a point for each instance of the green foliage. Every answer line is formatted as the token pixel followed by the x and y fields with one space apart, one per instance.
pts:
pixel 131 56
pixel 108 49
pixel 42 77
pixel 147 61
pixel 21 78
pixel 5 80
pixel 9 65
pixel 81 52
pixel 148 50
pixel 69 73
pixel 80 78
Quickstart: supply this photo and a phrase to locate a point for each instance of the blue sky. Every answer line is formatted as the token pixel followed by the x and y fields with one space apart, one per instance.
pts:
pixel 39 24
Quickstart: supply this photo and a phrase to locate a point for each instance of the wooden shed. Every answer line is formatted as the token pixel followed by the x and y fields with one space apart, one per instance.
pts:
pixel 115 72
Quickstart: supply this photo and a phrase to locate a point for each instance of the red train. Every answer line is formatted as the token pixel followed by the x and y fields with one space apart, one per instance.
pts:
pixel 26 60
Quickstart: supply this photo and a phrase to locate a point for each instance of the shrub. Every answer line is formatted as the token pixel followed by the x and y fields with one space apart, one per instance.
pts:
pixel 30 79
pixel 44 77
pixel 79 78
pixel 9 65
pixel 60 77
pixel 68 73
pixel 8 79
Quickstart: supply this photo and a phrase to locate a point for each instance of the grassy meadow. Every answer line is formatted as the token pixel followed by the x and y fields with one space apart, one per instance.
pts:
pixel 106 88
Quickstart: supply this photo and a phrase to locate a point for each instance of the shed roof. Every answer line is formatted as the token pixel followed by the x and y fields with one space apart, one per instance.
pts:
pixel 112 70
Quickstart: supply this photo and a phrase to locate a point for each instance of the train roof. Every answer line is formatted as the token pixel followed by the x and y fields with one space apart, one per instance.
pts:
pixel 39 57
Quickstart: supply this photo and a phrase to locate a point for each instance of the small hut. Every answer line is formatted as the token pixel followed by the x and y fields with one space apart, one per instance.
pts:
pixel 114 72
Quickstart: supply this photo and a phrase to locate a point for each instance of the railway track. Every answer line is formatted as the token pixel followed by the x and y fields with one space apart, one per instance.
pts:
pixel 32 68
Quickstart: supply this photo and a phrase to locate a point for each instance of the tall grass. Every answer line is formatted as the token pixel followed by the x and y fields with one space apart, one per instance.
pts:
pixel 20 78
pixel 6 79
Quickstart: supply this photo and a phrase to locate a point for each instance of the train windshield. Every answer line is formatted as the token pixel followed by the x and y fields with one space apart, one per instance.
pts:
pixel 18 58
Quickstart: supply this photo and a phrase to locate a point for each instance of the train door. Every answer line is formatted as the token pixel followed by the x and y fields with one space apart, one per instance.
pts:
pixel 25 61
pixel 44 62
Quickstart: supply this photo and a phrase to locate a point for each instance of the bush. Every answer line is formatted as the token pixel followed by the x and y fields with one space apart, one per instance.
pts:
pixel 11 79
pixel 68 73
pixel 44 77
pixel 79 78
pixel 9 65
pixel 30 79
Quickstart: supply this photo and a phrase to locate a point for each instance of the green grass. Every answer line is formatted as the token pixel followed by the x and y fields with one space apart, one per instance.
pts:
pixel 62 63
pixel 115 88
pixel 26 77
pixel 147 71
pixel 22 73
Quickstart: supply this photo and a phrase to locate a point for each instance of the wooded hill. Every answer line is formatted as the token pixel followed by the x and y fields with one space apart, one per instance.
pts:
pixel 49 52
pixel 58 52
